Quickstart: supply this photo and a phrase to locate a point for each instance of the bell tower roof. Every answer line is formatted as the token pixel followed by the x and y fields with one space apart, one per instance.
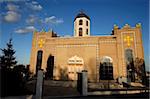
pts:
pixel 81 14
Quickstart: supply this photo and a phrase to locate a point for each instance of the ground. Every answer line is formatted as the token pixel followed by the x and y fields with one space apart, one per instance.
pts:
pixel 67 90
pixel 55 88
pixel 135 96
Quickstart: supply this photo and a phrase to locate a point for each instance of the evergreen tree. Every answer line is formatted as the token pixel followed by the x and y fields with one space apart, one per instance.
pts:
pixel 7 59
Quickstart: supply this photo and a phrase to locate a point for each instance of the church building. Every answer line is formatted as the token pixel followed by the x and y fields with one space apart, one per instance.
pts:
pixel 106 57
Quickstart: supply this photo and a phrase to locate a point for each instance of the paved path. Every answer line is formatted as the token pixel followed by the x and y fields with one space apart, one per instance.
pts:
pixel 133 96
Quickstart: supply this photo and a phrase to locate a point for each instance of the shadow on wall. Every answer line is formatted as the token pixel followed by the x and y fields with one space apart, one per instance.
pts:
pixel 63 74
pixel 91 70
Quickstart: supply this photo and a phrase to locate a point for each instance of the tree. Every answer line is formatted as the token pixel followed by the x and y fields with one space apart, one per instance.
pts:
pixel 140 69
pixel 7 59
pixel 27 72
pixel 8 77
pixel 23 71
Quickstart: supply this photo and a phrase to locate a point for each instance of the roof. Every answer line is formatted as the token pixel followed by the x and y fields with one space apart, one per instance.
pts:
pixel 81 14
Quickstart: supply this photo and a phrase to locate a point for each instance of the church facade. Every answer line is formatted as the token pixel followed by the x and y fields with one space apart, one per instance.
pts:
pixel 104 57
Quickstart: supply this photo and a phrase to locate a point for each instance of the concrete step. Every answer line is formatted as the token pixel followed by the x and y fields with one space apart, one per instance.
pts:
pixel 103 85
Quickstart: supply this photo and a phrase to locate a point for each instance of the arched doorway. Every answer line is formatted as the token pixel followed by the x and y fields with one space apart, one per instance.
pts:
pixel 50 67
pixel 130 65
pixel 106 68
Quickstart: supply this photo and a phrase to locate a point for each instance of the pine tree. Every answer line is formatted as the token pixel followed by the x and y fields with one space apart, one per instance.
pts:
pixel 7 59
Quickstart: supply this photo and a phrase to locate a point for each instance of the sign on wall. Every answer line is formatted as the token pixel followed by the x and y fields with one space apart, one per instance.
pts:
pixel 75 60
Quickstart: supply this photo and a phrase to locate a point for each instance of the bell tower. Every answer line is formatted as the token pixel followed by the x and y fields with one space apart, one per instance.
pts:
pixel 81 25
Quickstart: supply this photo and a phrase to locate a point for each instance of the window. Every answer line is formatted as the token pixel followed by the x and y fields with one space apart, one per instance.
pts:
pixel 106 69
pixel 128 55
pixel 80 31
pixel 80 22
pixel 87 31
pixel 129 65
pixel 86 23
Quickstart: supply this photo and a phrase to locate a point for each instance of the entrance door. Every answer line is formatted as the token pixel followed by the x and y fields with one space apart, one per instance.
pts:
pixel 50 67
pixel 75 65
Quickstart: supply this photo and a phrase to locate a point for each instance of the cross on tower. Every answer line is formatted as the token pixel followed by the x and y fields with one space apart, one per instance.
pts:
pixel 41 42
pixel 128 39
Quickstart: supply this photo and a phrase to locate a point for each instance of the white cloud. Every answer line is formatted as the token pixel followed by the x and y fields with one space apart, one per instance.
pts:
pixel 34 6
pixel 12 16
pixel 25 30
pixel 12 7
pixel 31 19
pixel 37 7
pixel 34 2
pixel 53 20
pixel 59 21
pixel 49 19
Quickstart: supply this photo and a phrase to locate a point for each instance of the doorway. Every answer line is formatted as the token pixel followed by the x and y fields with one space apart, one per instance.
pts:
pixel 50 67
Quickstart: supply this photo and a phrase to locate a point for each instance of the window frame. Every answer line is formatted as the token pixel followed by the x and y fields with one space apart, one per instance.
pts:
pixel 80 32
pixel 106 71
pixel 87 31
pixel 87 23
pixel 80 22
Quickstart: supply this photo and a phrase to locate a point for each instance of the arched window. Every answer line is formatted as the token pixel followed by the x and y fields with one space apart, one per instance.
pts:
pixel 87 31
pixel 80 22
pixel 80 31
pixel 39 60
pixel 86 23
pixel 106 68
pixel 130 65
pixel 50 67
pixel 129 55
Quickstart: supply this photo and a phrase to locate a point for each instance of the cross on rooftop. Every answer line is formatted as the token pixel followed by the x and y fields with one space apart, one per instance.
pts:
pixel 128 39
pixel 41 42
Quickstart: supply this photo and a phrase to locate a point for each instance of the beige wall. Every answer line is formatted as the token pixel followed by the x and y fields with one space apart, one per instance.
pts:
pixel 88 53
pixel 136 45
pixel 108 48
pixel 91 49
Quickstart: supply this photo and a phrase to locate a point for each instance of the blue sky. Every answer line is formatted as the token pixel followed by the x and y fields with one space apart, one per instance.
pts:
pixel 19 18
